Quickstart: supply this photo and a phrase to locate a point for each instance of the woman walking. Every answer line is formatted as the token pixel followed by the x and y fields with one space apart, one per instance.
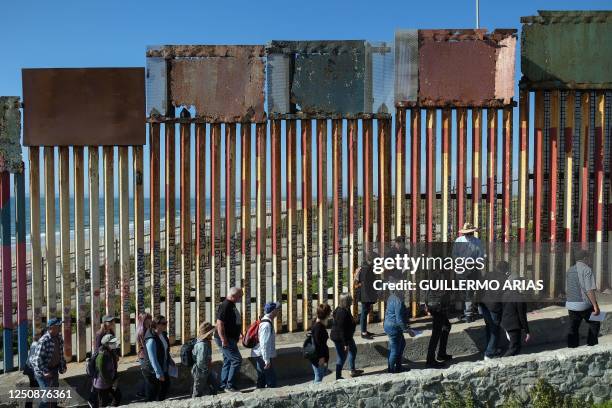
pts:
pixel 157 360
pixel 367 296
pixel 319 338
pixel 342 332
pixel 103 393
pixel 144 324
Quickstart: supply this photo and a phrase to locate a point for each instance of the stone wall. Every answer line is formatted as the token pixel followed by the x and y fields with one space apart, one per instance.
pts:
pixel 584 372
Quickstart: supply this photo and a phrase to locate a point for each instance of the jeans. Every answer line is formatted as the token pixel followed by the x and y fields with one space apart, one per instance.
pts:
pixel 366 307
pixel 573 335
pixel 341 356
pixel 439 336
pixel 468 300
pixel 44 383
pixel 156 390
pixel 231 362
pixel 203 383
pixel 492 325
pixel 515 337
pixel 266 377
pixel 397 344
pixel 319 372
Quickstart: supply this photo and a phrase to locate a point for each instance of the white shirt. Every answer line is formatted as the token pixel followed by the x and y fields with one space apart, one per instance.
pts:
pixel 266 348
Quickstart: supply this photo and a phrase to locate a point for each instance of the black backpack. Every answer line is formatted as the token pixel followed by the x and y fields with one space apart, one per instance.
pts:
pixel 187 353
pixel 90 367
pixel 309 350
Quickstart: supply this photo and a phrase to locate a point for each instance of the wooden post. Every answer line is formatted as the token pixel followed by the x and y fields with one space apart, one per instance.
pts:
pixel 337 207
pixel 124 248
pixel 185 129
pixel 94 239
pixel 200 257
pixel 36 256
pixel 322 207
pixel 277 285
pixel 260 278
pixel 154 218
pixel 306 127
pixel 64 156
pixel 245 223
pixel 292 225
pixel 79 250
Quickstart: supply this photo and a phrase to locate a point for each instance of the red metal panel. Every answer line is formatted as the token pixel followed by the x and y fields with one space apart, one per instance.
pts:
pixel 415 176
pixel 507 174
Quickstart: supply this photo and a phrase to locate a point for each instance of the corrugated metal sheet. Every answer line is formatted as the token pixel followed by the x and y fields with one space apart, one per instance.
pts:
pixel 406 65
pixel 10 135
pixel 567 50
pixel 84 106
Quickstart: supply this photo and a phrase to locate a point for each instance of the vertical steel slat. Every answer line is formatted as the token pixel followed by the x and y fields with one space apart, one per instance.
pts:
pixel 94 239
pixel 584 166
pixel 400 169
pixel 35 254
pixel 306 127
pixel 553 134
pixel 230 206
pixel 275 163
pixel 367 168
pixel 7 269
pixel 79 249
pixel 66 276
pixel 154 217
pixel 337 207
pixel 461 166
pixel 491 172
pixel 200 215
pixel 353 212
pixel 476 166
pixel 430 175
pixel 292 224
pixel 260 278
pixel 215 215
pixel 50 251
pixel 384 188
pixel 523 165
pixel 322 207
pixel 507 174
pixel 22 281
pixel 109 232
pixel 170 229
pixel 415 191
pixel 185 130
pixel 538 166
pixel 139 251
pixel 569 162
pixel 245 223
pixel 445 182
pixel 124 251
pixel 600 125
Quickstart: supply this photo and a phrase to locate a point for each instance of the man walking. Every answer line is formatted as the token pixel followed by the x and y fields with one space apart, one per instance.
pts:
pixel 265 350
pixel 581 302
pixel 466 246
pixel 48 358
pixel 229 328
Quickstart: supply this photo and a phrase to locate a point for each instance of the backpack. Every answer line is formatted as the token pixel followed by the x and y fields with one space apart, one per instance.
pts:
pixel 187 353
pixel 251 337
pixel 90 365
pixel 309 350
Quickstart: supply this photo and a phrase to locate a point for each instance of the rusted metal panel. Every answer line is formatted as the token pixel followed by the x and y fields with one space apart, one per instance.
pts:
pixel 225 83
pixel 368 148
pixel 491 172
pixel 230 206
pixel 215 218
pixel 353 213
pixel 486 77
pixel 567 50
pixel 109 231
pixel 60 104
pixel 66 272
pixel 10 135
pixel 94 237
pixel 406 65
pixel 125 272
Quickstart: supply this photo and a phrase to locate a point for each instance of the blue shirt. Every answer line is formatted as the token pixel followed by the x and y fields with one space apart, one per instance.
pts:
pixel 395 315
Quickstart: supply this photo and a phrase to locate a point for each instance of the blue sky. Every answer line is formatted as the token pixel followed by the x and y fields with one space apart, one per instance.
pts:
pixel 115 33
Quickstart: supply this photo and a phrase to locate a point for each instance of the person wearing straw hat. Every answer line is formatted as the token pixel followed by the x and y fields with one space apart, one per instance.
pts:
pixel 103 394
pixel 467 245
pixel 48 359
pixel 203 380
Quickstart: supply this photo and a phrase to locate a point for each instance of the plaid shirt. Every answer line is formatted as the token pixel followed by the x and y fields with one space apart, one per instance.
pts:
pixel 41 355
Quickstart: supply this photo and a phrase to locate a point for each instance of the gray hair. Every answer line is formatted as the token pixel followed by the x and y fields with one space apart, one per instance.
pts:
pixel 346 300
pixel 234 291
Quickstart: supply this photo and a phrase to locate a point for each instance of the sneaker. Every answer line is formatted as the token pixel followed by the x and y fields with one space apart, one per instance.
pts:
pixel 367 336
pixel 339 378
pixel 467 319
pixel 487 358
pixel 445 357
pixel 435 364
pixel 231 389
pixel 356 373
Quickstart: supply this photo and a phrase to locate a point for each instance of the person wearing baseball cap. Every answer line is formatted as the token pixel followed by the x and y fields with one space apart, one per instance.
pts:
pixel 107 327
pixel 107 359
pixel 48 359
pixel 468 245
pixel 265 350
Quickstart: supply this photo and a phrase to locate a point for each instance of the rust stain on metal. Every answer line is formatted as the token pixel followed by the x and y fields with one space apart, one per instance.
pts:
pixel 224 83
pixel 466 68
pixel 84 106
pixel 10 135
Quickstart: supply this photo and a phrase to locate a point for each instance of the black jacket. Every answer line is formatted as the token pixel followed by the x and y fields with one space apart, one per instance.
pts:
pixel 492 299
pixel 159 349
pixel 343 326
pixel 514 315
pixel 319 338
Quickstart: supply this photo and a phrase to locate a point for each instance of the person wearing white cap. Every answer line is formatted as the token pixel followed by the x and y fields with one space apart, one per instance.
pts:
pixel 265 350
pixel 467 245
pixel 107 359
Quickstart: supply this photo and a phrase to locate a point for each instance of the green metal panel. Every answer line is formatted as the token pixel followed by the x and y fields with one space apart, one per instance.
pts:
pixel 567 50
